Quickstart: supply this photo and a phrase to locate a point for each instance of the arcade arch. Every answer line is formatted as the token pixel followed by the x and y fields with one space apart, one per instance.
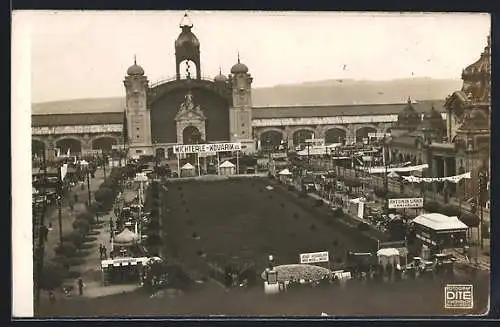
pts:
pixel 301 135
pixel 104 143
pixel 335 135
pixel 271 139
pixel 64 144
pixel 362 132
pixel 37 148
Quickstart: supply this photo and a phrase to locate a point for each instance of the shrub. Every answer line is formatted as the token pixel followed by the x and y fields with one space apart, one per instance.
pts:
pixel 105 196
pixel 75 238
pixel 86 216
pixel 52 276
pixel 81 225
pixel 90 239
pixel 66 249
pixel 432 206
pixel 97 207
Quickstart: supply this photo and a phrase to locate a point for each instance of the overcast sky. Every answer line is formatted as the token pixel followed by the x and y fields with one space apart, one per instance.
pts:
pixel 86 54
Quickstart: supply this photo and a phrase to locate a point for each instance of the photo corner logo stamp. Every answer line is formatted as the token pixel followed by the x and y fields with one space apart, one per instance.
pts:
pixel 458 296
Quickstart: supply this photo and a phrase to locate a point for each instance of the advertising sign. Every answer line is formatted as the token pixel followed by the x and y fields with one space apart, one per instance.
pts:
pixel 406 203
pixel 278 155
pixel 204 148
pixel 314 257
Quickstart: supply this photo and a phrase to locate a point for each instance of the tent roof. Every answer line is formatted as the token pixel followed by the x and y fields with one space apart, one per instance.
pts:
pixel 437 221
pixel 227 164
pixel 388 252
pixel 188 166
pixel 285 172
pixel 126 236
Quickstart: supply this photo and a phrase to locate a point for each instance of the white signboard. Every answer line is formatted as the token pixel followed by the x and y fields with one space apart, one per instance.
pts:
pixel 378 135
pixel 278 155
pixel 314 257
pixel 118 147
pixel 204 148
pixel 406 203
pixel 91 152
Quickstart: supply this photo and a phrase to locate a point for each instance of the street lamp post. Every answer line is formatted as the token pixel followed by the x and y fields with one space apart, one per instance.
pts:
pixel 104 164
pixel 386 178
pixel 59 204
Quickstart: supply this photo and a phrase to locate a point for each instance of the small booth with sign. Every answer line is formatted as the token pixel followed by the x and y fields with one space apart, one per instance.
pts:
pixel 285 175
pixel 123 270
pixel 437 232
pixel 188 170
pixel 227 168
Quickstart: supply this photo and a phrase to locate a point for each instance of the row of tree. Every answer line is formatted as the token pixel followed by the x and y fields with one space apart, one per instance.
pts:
pixel 153 229
pixel 77 243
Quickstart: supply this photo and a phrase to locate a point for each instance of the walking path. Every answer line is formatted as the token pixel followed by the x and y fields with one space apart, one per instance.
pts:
pixel 90 269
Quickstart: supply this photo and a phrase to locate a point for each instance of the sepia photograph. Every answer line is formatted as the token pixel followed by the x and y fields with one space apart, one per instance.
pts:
pixel 251 164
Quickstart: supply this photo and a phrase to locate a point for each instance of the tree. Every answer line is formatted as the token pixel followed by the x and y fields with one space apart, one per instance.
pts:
pixel 66 249
pixel 52 276
pixel 86 216
pixel 81 225
pixel 75 237
pixel 105 196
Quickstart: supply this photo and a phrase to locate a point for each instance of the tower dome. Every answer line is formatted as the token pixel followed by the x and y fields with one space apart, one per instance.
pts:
pixel 433 121
pixel 408 117
pixel 239 68
pixel 221 77
pixel 135 69
pixel 187 37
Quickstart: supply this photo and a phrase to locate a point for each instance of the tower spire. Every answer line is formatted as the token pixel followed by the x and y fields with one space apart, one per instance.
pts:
pixel 135 59
pixel 220 70
pixel 238 56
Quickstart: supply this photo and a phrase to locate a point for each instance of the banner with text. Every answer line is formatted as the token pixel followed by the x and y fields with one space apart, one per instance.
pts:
pixel 204 148
pixel 406 203
pixel 381 170
pixel 314 257
pixel 452 179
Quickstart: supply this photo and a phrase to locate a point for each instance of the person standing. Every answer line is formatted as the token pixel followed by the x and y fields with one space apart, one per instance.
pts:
pixel 80 286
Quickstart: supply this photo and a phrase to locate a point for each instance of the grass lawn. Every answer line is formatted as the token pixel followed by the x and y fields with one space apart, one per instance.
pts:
pixel 239 220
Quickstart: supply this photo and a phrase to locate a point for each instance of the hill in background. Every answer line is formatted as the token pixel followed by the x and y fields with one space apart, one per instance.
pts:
pixel 327 92
pixel 354 92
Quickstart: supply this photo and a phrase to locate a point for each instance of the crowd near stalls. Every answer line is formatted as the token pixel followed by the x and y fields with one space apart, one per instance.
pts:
pixel 362 182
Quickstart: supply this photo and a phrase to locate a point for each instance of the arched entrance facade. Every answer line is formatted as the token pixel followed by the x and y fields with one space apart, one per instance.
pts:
pixel 191 135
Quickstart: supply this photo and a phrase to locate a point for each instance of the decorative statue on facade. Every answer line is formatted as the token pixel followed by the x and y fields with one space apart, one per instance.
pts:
pixel 189 106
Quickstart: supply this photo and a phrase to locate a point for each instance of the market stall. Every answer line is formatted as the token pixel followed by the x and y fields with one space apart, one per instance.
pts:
pixel 437 232
pixel 285 175
pixel 227 168
pixel 188 170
